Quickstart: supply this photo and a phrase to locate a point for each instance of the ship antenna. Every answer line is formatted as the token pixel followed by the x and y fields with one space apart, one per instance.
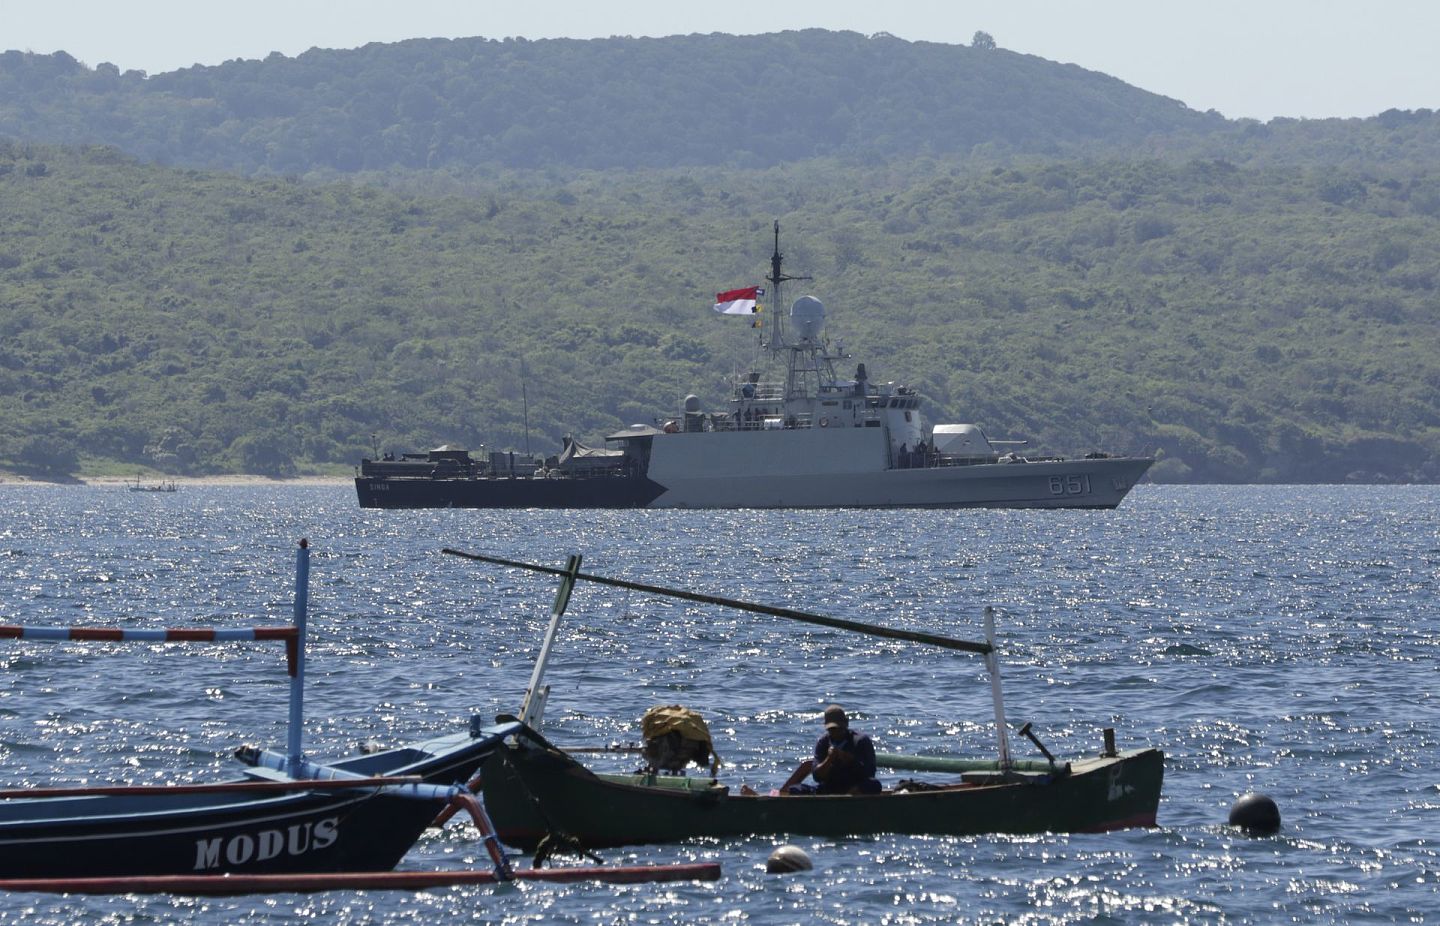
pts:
pixel 525 404
pixel 777 277
pixel 775 260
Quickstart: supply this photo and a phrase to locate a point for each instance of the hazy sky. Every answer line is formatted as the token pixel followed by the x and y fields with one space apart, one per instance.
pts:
pixel 1255 58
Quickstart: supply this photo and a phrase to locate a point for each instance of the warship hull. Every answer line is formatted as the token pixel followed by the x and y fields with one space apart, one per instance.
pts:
pixel 810 440
pixel 501 492
pixel 802 468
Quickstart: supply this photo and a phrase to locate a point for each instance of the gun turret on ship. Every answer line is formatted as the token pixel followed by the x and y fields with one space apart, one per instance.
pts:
pixel 811 440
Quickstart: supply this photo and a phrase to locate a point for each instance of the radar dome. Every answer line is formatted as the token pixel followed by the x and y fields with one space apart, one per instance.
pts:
pixel 808 317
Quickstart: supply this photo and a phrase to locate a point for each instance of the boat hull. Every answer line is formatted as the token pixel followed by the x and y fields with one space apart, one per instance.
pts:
pixel 759 470
pixel 500 492
pixel 127 837
pixel 530 790
pixel 236 832
pixel 696 474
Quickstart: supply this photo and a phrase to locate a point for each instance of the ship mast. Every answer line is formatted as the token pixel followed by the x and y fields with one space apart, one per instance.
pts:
pixel 776 340
pixel 804 359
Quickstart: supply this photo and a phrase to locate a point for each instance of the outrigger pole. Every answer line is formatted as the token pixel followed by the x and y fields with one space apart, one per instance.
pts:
pixel 294 638
pixel 992 663
pixel 233 884
pixel 530 712
pixel 874 630
pixel 536 694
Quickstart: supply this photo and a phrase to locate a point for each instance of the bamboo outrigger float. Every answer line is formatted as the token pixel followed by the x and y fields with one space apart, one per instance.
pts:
pixel 290 825
pixel 536 791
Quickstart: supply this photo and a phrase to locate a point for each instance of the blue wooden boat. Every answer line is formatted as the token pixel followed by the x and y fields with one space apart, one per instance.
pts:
pixel 284 815
pixel 267 822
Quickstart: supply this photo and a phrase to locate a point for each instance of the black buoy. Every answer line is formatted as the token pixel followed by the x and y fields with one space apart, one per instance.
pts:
pixel 787 859
pixel 1256 814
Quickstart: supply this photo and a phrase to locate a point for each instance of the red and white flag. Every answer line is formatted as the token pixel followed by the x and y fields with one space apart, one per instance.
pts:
pixel 739 301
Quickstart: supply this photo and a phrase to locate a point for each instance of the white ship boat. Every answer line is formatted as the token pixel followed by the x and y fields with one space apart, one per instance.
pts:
pixel 811 440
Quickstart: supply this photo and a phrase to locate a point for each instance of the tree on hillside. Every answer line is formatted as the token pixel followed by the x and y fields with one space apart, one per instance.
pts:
pixel 983 41
pixel 49 456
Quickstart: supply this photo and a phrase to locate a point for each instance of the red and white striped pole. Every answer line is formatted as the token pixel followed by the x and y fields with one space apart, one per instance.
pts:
pixel 294 638
pixel 141 635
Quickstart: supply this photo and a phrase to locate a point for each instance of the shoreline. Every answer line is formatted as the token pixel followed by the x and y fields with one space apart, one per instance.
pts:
pixel 10 479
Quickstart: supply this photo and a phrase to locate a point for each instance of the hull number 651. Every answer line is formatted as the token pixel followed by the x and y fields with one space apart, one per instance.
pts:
pixel 1069 485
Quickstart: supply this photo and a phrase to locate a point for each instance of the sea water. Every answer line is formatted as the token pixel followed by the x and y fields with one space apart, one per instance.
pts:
pixel 1275 639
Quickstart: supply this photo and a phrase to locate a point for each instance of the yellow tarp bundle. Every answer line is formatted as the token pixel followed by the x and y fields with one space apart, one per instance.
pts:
pixel 672 718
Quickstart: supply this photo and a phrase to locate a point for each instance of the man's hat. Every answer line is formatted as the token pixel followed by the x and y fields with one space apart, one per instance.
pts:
pixel 835 718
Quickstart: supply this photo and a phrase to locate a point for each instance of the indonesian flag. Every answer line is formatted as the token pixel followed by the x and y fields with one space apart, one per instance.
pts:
pixel 738 301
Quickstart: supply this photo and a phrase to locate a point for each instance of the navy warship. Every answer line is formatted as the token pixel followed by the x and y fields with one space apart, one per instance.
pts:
pixel 811 440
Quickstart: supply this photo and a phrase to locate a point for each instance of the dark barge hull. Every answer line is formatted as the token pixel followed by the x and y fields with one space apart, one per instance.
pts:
pixel 502 492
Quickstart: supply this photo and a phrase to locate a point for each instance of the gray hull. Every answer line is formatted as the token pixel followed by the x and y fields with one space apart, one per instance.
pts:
pixel 849 467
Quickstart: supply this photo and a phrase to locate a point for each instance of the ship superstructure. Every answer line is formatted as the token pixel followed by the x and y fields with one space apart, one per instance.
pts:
pixel 811 440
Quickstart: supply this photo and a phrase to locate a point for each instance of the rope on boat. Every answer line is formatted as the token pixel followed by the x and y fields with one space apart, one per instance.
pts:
pixel 291 636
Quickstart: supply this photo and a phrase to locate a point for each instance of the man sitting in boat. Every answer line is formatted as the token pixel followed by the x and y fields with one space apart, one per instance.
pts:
pixel 844 761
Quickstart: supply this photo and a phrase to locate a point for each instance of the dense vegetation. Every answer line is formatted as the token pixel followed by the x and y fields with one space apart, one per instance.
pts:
pixel 1255 324
pixel 487 229
pixel 620 102
pixel 718 100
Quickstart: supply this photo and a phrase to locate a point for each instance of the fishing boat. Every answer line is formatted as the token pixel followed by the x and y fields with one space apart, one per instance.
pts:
pixel 288 823
pixel 809 437
pixel 138 486
pixel 538 793
pixel 537 790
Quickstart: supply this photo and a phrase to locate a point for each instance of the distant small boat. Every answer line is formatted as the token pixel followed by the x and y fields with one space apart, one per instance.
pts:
pixel 138 486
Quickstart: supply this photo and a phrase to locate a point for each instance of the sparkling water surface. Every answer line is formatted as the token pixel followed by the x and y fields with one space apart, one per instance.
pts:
pixel 1279 639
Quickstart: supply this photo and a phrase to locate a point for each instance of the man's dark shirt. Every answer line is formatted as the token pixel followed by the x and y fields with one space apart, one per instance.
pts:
pixel 860 773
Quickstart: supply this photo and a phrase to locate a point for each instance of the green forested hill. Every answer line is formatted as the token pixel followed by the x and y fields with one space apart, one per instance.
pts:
pixel 717 100
pixel 1269 324
pixel 746 101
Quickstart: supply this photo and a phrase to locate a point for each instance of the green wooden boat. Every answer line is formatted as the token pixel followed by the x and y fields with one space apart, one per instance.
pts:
pixel 533 790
